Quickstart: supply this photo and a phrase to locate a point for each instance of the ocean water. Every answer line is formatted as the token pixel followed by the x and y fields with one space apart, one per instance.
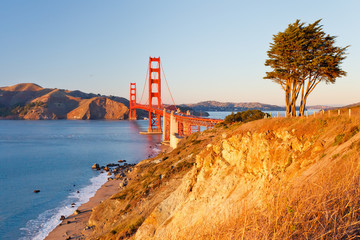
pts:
pixel 56 158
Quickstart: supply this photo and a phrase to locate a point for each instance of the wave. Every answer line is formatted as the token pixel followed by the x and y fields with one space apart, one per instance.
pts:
pixel 39 228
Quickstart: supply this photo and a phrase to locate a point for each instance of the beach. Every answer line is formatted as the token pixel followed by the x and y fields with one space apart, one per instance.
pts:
pixel 74 226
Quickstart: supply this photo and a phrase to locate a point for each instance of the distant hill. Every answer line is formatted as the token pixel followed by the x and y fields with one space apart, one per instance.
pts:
pixel 316 107
pixel 230 106
pixel 31 101
pixel 352 105
pixel 99 108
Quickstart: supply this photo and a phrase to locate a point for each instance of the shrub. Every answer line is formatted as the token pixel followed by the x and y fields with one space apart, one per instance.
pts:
pixel 133 227
pixel 245 116
pixel 339 139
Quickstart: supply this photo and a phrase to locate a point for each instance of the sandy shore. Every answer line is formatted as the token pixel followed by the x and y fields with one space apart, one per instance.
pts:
pixel 74 225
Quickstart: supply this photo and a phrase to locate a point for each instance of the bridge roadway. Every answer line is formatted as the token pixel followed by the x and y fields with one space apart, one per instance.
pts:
pixel 181 117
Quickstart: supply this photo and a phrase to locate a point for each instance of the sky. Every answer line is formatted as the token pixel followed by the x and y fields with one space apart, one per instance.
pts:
pixel 210 50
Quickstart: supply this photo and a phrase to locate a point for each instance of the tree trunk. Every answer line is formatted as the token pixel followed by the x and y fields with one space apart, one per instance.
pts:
pixel 302 106
pixel 303 103
pixel 287 100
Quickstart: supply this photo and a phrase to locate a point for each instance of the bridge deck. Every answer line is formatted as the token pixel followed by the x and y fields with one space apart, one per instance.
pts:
pixel 199 121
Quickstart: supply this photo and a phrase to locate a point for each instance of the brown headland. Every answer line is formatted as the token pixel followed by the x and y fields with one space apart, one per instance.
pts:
pixel 32 102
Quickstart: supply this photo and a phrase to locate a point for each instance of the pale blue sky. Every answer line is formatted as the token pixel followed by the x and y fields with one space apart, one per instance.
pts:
pixel 210 50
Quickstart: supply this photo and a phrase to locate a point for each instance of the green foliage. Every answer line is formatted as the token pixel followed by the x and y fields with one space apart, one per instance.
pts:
pixel 353 131
pixel 20 109
pixel 245 116
pixel 196 141
pixel 301 57
pixel 127 207
pixel 120 196
pixel 136 225
pixel 4 111
pixel 339 139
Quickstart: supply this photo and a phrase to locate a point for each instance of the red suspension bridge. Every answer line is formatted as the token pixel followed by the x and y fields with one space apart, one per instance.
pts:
pixel 175 123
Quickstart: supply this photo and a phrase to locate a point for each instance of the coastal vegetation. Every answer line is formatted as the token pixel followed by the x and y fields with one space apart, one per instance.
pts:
pixel 245 116
pixel 21 110
pixel 301 57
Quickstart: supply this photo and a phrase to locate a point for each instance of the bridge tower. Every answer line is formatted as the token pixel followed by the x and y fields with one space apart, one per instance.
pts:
pixel 154 92
pixel 132 115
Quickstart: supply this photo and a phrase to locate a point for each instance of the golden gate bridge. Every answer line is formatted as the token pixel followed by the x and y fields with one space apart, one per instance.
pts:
pixel 175 123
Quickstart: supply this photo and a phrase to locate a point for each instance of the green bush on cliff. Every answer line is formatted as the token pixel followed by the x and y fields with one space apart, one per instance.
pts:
pixel 23 110
pixel 4 111
pixel 245 116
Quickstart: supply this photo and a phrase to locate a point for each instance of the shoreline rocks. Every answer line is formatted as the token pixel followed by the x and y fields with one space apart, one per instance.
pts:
pixel 96 166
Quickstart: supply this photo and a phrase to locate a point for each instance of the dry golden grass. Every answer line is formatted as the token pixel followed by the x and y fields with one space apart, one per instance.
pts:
pixel 326 207
pixel 323 205
pixel 319 201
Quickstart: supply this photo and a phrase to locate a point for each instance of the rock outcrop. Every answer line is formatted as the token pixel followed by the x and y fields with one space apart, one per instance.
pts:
pixel 239 166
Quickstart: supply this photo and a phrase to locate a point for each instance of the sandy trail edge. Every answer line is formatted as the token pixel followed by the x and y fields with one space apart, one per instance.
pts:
pixel 77 223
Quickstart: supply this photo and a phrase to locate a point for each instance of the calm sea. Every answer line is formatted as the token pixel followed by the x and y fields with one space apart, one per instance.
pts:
pixel 56 158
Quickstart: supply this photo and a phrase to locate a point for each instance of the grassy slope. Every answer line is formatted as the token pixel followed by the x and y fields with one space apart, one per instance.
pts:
pixel 152 181
pixel 318 197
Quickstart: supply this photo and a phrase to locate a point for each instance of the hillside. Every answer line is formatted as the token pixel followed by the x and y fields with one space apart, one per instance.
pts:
pixel 230 107
pixel 296 178
pixel 99 108
pixel 31 101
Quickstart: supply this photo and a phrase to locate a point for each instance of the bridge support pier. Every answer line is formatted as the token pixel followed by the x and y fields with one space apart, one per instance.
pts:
pixel 174 131
pixel 154 92
pixel 166 126
pixel 132 102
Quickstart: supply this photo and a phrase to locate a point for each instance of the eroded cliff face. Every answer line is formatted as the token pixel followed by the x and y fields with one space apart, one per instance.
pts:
pixel 265 179
pixel 238 167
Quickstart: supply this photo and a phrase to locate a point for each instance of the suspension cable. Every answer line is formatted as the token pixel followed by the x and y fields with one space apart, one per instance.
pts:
pixel 146 77
pixel 162 68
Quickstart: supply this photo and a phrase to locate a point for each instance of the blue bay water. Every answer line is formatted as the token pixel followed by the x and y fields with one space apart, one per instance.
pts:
pixel 56 158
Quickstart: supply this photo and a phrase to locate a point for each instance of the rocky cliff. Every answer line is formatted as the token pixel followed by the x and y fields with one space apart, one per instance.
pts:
pixel 30 101
pixel 274 178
